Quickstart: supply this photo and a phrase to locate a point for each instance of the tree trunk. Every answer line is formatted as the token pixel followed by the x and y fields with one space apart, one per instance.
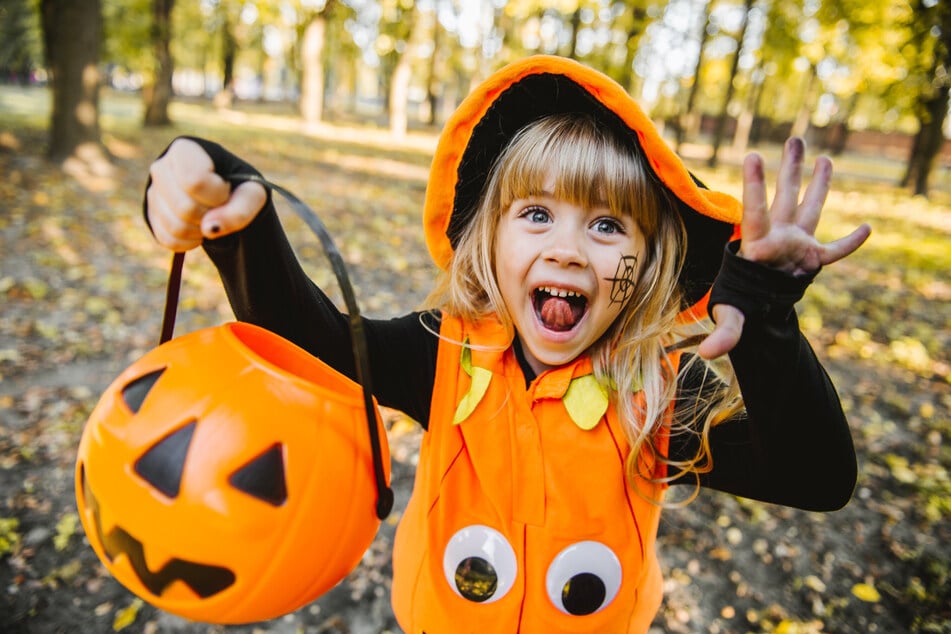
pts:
pixel 398 100
pixel 801 125
pixel 756 128
pixel 399 95
pixel 721 120
pixel 575 28
pixel 432 90
pixel 158 92
pixel 744 123
pixel 914 159
pixel 838 135
pixel 689 121
pixel 634 32
pixel 312 70
pixel 229 51
pixel 927 143
pixel 932 110
pixel 72 35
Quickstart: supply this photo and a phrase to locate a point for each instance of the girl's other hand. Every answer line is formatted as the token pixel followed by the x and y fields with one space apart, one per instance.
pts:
pixel 782 235
pixel 187 201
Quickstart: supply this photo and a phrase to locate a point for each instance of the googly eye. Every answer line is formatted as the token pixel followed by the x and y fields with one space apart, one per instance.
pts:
pixel 479 564
pixel 583 578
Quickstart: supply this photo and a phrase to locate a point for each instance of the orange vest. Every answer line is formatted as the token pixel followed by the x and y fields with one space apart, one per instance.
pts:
pixel 510 475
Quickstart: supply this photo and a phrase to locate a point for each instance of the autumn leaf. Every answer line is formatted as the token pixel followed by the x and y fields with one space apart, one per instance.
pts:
pixel 866 592
pixel 64 530
pixel 126 616
pixel 9 537
pixel 795 627
pixel 814 583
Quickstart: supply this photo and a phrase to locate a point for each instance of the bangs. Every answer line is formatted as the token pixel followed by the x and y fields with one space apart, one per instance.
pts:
pixel 591 167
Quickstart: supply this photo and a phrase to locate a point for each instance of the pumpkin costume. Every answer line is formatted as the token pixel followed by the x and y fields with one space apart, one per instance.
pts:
pixel 525 473
pixel 496 468
pixel 526 463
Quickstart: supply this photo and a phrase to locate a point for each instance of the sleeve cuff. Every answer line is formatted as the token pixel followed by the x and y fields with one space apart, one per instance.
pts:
pixel 758 291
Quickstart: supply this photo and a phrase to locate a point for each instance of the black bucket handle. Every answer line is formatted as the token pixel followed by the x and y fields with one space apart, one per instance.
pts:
pixel 384 503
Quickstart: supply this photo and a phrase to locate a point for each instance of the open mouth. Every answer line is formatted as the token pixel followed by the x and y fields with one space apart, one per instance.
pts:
pixel 559 309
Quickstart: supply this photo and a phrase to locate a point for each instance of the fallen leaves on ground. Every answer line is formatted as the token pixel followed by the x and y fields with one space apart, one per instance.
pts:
pixel 82 286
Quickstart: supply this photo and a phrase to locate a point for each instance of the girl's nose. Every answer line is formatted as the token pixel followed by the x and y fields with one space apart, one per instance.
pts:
pixel 565 248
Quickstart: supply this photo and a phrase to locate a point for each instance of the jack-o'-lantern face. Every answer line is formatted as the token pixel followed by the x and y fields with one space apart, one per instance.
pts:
pixel 227 477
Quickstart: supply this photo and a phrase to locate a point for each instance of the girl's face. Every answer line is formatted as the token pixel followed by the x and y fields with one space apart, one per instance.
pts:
pixel 564 272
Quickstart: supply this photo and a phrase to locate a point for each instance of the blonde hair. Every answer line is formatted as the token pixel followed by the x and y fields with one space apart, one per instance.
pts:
pixel 592 167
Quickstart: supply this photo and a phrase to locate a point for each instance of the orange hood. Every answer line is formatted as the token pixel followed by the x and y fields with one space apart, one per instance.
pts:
pixel 539 86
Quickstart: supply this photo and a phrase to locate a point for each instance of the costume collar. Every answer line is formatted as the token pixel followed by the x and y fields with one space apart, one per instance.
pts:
pixel 585 399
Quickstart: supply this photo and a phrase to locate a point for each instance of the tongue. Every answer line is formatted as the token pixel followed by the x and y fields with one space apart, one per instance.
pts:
pixel 556 314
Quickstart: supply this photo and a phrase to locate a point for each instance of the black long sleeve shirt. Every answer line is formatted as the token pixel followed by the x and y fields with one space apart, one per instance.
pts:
pixel 791 445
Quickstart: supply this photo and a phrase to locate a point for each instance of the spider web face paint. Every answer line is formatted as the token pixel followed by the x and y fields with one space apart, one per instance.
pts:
pixel 623 281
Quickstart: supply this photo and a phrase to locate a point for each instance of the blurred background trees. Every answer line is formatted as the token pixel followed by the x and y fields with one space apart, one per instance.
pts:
pixel 848 74
pixel 72 34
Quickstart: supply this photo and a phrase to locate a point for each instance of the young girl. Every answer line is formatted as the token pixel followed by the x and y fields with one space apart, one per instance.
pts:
pixel 555 371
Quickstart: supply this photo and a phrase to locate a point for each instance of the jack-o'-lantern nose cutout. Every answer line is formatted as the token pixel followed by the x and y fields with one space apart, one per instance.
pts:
pixel 162 465
pixel 263 477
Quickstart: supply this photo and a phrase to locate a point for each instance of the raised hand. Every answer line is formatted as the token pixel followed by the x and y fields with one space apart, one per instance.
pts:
pixel 187 201
pixel 781 235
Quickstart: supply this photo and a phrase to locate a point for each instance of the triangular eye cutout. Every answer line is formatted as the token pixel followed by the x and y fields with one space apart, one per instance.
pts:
pixel 263 477
pixel 162 465
pixel 135 392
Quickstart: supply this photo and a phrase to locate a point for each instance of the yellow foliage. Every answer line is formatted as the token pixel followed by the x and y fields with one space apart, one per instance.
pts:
pixel 866 592
pixel 64 530
pixel 9 537
pixel 126 616
pixel 796 627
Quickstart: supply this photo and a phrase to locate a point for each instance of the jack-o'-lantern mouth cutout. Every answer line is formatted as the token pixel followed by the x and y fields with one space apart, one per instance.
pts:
pixel 162 466
pixel 205 580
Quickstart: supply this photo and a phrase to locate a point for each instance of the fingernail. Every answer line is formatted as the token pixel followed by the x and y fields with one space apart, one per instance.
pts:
pixel 797 148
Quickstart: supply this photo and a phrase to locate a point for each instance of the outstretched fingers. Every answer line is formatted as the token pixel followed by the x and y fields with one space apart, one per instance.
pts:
pixel 815 197
pixel 843 247
pixel 785 205
pixel 755 222
pixel 781 235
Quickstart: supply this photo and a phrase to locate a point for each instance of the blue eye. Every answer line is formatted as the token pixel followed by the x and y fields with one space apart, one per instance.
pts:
pixel 536 214
pixel 608 226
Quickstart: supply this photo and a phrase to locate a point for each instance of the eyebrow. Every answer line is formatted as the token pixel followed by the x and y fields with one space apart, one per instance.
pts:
pixel 541 194
pixel 548 194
